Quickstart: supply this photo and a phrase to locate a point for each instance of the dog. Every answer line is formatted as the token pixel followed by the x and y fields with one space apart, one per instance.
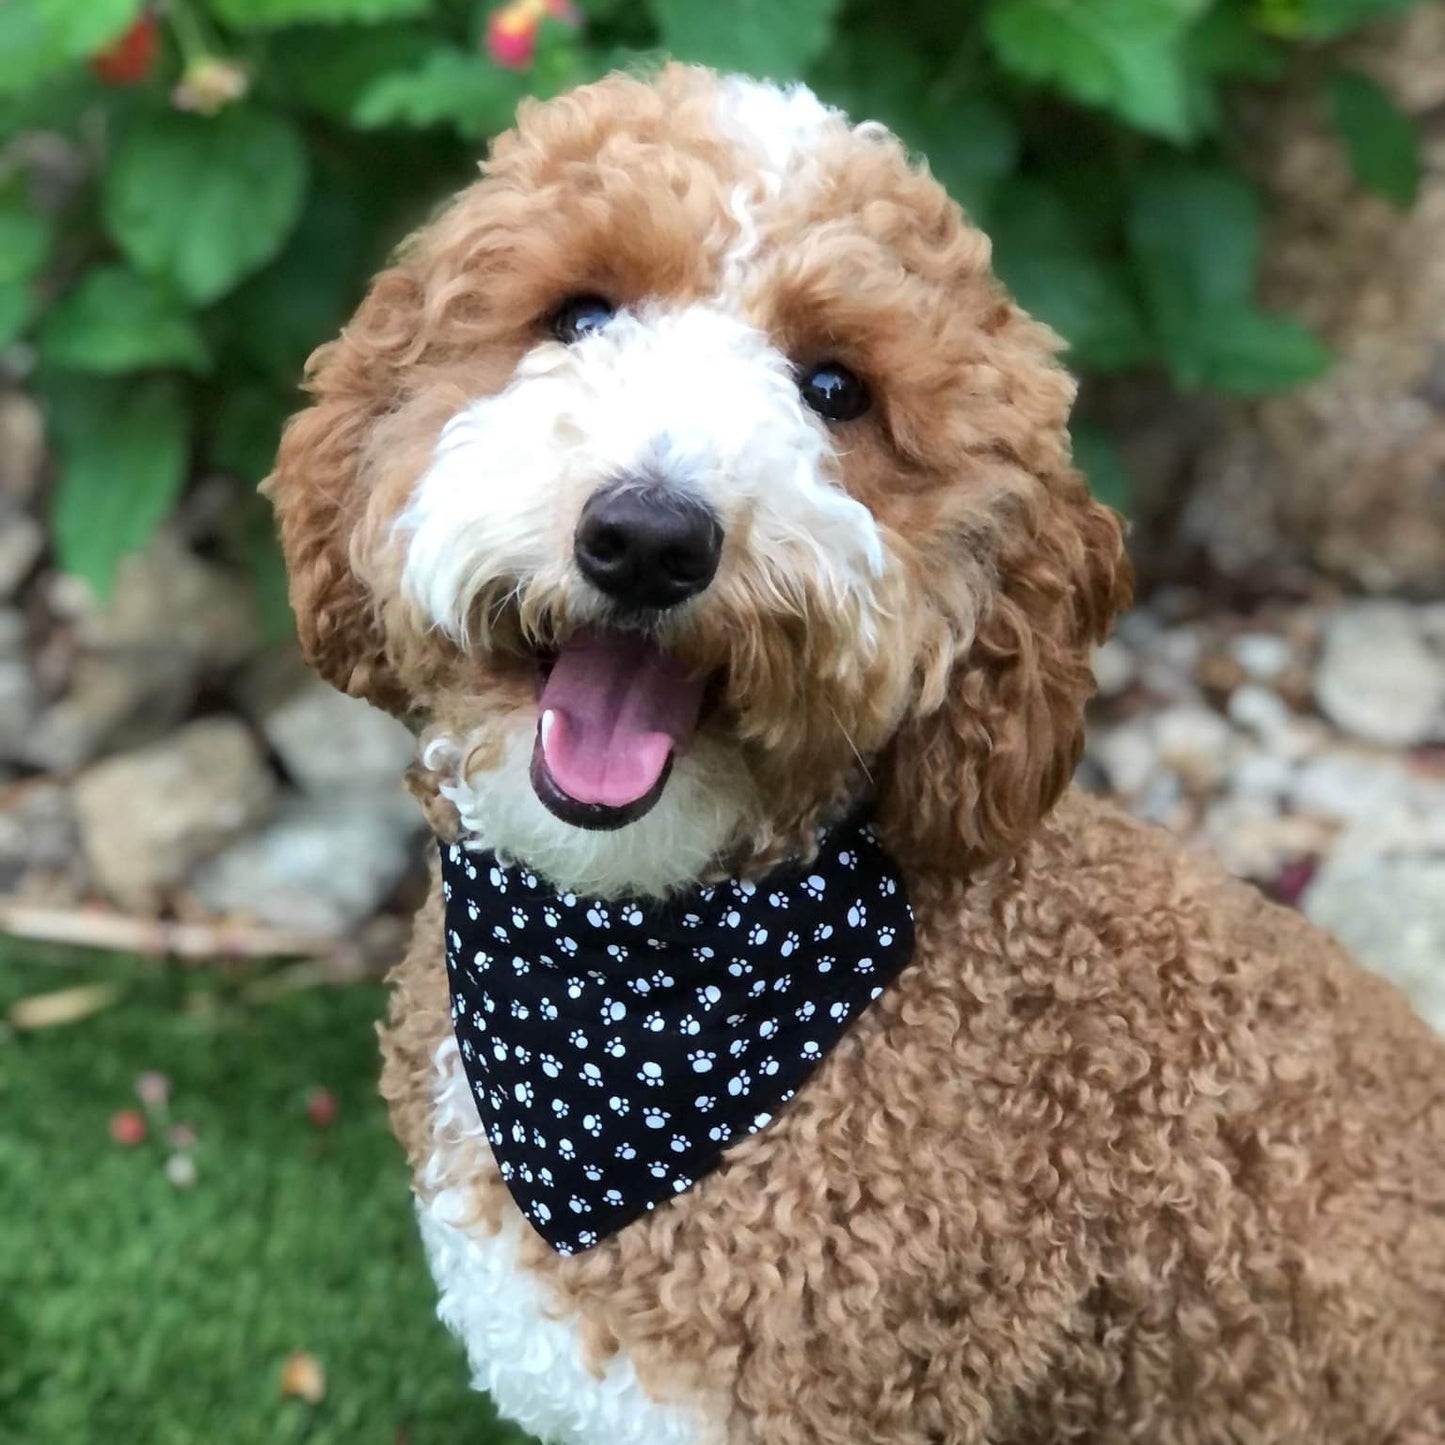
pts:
pixel 689 484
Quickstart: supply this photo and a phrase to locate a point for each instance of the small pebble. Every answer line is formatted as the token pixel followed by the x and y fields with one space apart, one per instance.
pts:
pixel 1262 655
pixel 153 1089
pixel 181 1171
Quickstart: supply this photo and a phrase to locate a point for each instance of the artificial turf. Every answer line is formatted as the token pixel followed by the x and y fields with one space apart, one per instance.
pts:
pixel 134 1312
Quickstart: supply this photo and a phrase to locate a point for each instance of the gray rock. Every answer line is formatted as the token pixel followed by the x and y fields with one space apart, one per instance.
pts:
pixel 37 829
pixel 325 740
pixel 1377 679
pixel 169 601
pixel 147 817
pixel 174 623
pixel 19 706
pixel 320 865
pixel 22 540
pixel 1382 894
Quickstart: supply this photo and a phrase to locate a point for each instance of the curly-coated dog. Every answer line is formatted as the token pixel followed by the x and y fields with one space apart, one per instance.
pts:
pixel 695 491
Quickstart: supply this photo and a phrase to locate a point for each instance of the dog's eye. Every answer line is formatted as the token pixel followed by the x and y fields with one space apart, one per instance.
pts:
pixel 581 316
pixel 833 391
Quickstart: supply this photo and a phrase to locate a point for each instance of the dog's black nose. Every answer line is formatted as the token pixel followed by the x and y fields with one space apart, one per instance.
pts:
pixel 647 546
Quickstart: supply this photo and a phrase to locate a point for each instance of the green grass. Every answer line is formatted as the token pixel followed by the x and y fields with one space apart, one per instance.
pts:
pixel 135 1313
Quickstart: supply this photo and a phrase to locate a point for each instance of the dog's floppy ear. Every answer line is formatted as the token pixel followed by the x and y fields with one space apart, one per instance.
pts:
pixel 970 779
pixel 319 497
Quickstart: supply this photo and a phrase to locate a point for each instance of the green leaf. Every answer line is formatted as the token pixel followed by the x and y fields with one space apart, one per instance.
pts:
pixel 1326 19
pixel 246 429
pixel 272 14
pixel 330 69
pixel 25 238
pixel 122 452
pixel 456 88
pixel 1043 256
pixel 202 202
pixel 17 305
pixel 776 39
pixel 278 317
pixel 1250 353
pixel 118 321
pixel 1099 459
pixel 970 142
pixel 1382 141
pixel 1224 45
pixel 1194 233
pixel 39 38
pixel 1124 56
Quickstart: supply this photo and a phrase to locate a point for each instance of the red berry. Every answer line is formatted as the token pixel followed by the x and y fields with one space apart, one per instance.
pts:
pixel 321 1108
pixel 128 1127
pixel 128 61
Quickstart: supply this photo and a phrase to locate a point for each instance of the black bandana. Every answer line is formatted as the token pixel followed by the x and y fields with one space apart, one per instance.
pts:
pixel 617 1048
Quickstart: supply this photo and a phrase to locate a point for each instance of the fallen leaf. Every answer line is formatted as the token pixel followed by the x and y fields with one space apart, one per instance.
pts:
pixel 302 1378
pixel 62 1006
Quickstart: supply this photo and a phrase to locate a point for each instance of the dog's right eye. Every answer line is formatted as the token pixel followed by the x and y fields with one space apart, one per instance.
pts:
pixel 581 316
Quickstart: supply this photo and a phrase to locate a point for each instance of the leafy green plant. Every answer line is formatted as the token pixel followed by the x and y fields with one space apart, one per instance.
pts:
pixel 248 163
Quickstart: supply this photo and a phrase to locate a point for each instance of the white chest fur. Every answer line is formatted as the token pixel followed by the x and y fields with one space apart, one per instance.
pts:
pixel 528 1357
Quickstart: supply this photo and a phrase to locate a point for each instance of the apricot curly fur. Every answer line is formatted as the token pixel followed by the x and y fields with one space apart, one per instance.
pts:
pixel 1127 1154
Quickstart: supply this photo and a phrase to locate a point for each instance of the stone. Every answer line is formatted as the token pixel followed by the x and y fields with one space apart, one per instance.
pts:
pixel 1382 894
pixel 319 865
pixel 22 447
pixel 1344 786
pixel 1195 742
pixel 1114 667
pixel 1254 840
pixel 1376 678
pixel 147 817
pixel 37 830
pixel 1261 774
pixel 1261 711
pixel 19 707
pixel 1127 755
pixel 174 623
pixel 168 600
pixel 1264 656
pixel 325 740
pixel 22 540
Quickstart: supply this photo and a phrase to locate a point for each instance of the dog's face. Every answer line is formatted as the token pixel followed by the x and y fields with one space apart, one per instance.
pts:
pixel 691 476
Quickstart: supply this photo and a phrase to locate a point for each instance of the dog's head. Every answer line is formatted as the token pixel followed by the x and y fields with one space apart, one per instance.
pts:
pixel 691 476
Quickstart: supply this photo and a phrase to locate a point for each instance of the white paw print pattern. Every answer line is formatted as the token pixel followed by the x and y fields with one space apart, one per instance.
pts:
pixel 745 990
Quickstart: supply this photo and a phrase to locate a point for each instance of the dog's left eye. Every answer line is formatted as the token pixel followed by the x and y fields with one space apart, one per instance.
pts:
pixel 833 391
pixel 581 316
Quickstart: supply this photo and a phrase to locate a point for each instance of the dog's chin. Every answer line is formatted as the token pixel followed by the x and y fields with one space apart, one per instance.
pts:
pixel 595 817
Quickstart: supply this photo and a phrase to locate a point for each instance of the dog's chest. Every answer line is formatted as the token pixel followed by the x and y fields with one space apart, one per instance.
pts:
pixel 527 1356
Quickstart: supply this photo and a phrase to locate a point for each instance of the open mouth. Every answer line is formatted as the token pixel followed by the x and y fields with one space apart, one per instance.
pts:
pixel 613 711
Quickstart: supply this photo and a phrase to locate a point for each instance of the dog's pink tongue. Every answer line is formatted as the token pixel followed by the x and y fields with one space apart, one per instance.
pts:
pixel 612 711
